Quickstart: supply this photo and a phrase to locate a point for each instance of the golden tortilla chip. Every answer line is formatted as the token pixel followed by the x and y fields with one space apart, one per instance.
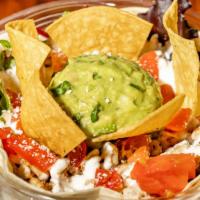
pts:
pixel 197 113
pixel 25 26
pixel 185 59
pixel 42 118
pixel 106 29
pixel 153 122
pixel 151 45
pixel 197 42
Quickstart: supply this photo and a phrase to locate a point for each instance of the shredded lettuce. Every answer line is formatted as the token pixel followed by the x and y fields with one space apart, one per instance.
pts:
pixel 2 60
pixel 6 59
pixel 5 44
pixel 5 103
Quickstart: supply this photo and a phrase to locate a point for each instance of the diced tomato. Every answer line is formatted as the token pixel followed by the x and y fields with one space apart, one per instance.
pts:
pixel 180 121
pixel 128 146
pixel 14 158
pixel 165 173
pixel 109 179
pixel 42 32
pixel 28 149
pixel 14 98
pixel 140 155
pixel 58 60
pixel 8 148
pixel 4 132
pixel 149 62
pixel 167 93
pixel 77 155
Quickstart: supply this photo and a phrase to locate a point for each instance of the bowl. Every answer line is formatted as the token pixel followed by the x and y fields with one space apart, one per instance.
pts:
pixel 44 15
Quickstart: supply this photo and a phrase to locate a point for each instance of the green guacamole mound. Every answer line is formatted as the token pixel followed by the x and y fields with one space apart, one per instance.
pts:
pixel 105 93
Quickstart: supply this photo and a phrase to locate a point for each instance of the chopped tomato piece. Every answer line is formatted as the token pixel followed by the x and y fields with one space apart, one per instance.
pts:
pixel 4 132
pixel 129 145
pixel 28 149
pixel 165 173
pixel 14 158
pixel 167 93
pixel 149 62
pixel 77 155
pixel 109 179
pixel 42 32
pixel 140 155
pixel 180 121
pixel 14 98
pixel 7 147
pixel 58 60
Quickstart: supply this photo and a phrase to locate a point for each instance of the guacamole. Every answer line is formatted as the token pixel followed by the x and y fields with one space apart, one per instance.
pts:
pixel 105 93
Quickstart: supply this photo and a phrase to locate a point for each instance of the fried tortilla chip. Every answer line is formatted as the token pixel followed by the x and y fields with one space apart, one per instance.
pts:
pixel 25 26
pixel 197 42
pixel 185 59
pixel 197 113
pixel 42 118
pixel 106 29
pixel 153 122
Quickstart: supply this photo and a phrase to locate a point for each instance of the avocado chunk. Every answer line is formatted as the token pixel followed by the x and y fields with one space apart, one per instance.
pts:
pixel 105 93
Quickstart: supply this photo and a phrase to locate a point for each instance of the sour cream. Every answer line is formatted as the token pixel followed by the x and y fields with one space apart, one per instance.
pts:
pixel 55 173
pixel 7 115
pixel 125 171
pixel 12 73
pixel 166 71
pixel 111 155
pixel 86 180
pixel 187 147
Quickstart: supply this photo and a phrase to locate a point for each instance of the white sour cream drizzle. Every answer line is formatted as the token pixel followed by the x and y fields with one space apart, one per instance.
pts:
pixel 62 183
pixel 86 180
pixel 111 156
pixel 55 173
pixel 12 73
pixel 7 115
pixel 187 147
pixel 165 68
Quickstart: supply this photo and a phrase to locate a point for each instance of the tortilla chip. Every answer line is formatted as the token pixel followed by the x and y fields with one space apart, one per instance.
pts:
pixel 197 113
pixel 25 26
pixel 152 45
pixel 185 59
pixel 42 118
pixel 197 42
pixel 153 122
pixel 106 29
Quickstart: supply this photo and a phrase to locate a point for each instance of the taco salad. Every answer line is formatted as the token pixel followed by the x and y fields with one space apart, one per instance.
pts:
pixel 91 102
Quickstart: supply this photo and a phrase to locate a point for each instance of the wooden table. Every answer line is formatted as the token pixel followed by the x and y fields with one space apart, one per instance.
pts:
pixel 8 7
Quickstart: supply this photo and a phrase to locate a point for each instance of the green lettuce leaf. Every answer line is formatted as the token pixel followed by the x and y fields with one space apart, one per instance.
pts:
pixel 5 103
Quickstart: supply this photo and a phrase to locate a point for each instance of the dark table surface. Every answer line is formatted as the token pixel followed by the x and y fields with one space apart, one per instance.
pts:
pixel 8 7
